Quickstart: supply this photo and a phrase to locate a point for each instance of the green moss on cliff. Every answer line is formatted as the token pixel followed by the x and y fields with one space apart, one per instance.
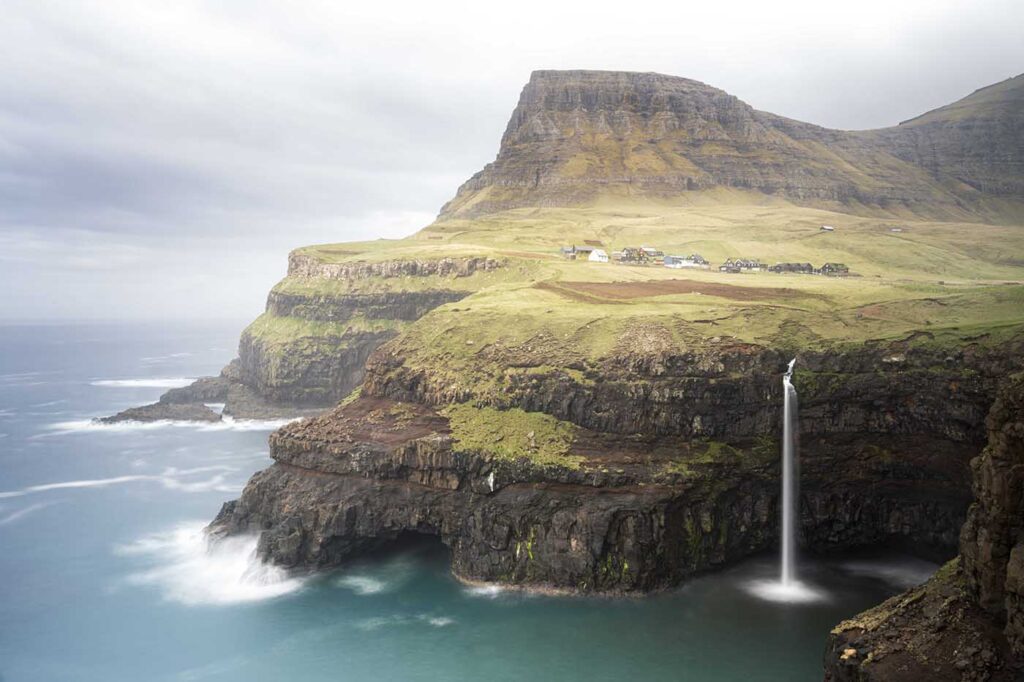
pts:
pixel 513 435
pixel 273 330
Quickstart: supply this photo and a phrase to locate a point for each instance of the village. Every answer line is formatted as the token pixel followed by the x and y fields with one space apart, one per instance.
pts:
pixel 651 256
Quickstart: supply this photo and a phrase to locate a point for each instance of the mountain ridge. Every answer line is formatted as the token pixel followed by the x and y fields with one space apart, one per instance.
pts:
pixel 577 135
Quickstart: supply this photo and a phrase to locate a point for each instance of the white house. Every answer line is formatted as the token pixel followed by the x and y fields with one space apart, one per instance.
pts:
pixel 827 228
pixel 598 256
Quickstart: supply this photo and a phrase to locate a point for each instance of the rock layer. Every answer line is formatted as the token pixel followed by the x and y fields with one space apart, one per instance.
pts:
pixel 640 512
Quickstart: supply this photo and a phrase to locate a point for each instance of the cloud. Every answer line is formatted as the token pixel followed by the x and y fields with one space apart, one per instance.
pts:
pixel 162 158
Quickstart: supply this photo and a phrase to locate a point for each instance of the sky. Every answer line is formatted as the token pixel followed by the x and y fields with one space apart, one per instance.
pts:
pixel 159 159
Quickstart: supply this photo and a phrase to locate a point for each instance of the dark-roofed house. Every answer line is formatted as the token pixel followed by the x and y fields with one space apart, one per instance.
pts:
pixel 801 268
pixel 835 270
pixel 573 252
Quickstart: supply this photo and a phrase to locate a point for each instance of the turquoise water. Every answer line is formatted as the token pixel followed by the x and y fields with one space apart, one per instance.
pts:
pixel 105 576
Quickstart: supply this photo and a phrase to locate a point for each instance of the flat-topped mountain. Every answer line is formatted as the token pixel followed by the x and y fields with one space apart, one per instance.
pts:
pixel 577 136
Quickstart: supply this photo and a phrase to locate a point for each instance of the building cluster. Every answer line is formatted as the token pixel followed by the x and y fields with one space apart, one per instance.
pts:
pixel 828 269
pixel 647 255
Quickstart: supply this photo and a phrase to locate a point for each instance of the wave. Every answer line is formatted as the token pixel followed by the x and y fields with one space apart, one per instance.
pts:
pixel 193 569
pixel 172 382
pixel 488 591
pixel 380 578
pixel 226 424
pixel 170 478
pixel 21 513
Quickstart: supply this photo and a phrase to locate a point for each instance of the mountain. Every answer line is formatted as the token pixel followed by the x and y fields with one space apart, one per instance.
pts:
pixel 578 136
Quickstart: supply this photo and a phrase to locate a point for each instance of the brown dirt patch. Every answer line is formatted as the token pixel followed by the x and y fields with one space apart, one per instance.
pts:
pixel 622 291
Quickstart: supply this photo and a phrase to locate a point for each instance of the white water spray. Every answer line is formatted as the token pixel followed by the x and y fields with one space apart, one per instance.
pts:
pixel 790 478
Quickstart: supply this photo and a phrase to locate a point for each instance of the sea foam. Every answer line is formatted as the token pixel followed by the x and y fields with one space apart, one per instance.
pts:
pixel 193 569
pixel 226 424
pixel 170 382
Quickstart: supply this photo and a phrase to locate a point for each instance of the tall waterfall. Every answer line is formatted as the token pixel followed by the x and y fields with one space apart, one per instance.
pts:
pixel 790 477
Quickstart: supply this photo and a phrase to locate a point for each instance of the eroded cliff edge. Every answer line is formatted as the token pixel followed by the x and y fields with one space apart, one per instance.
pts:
pixel 665 467
pixel 967 622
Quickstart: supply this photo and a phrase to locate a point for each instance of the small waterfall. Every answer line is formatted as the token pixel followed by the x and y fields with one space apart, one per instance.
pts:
pixel 790 478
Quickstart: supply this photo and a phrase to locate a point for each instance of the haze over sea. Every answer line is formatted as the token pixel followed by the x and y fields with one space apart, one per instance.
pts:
pixel 106 574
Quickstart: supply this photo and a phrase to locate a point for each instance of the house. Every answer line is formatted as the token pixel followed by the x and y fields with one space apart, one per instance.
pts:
pixel 652 254
pixel 895 229
pixel 694 260
pixel 598 256
pixel 801 268
pixel 576 252
pixel 741 265
pixel 633 256
pixel 827 228
pixel 835 270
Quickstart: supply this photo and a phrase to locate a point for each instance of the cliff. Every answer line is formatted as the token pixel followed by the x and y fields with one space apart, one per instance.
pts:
pixel 576 137
pixel 553 499
pixel 967 623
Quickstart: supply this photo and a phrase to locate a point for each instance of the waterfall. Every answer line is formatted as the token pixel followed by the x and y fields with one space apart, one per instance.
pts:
pixel 788 588
pixel 790 478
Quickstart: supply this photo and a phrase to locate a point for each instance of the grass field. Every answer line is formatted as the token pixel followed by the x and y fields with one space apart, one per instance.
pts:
pixel 955 281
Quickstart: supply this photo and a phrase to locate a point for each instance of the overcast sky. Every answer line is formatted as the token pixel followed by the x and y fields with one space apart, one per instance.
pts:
pixel 159 159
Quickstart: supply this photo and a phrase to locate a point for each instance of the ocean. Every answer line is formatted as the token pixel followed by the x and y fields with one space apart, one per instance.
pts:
pixel 105 574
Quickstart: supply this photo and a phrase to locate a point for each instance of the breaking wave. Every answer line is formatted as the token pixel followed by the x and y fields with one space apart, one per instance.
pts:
pixel 172 382
pixel 192 569
pixel 171 478
pixel 226 424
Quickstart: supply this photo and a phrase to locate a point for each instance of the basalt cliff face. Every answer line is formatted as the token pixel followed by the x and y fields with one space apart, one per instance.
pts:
pixel 966 623
pixel 640 500
pixel 577 135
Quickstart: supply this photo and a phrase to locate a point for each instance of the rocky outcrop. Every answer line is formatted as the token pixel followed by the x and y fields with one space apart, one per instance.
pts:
pixel 992 542
pixel 933 632
pixel 307 370
pixel 576 135
pixel 164 411
pixel 967 622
